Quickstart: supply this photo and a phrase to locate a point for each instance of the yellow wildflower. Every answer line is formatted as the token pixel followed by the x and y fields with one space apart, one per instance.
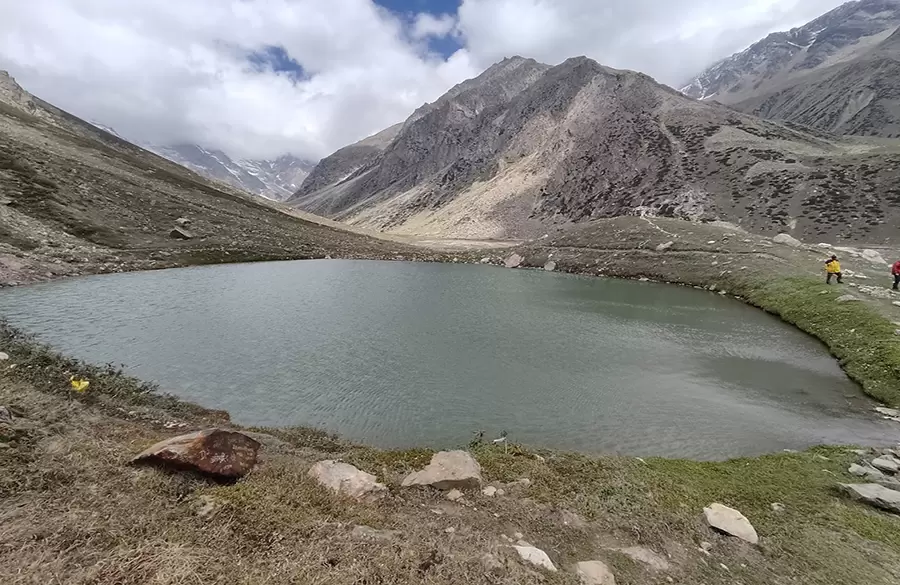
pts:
pixel 79 384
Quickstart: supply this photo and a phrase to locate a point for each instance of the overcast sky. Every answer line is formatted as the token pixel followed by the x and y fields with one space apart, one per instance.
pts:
pixel 258 78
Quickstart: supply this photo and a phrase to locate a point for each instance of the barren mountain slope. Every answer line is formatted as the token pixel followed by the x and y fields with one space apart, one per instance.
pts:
pixel 580 141
pixel 860 96
pixel 784 57
pixel 75 199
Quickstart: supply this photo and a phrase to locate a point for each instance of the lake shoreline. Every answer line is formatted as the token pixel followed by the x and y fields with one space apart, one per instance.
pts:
pixel 65 458
pixel 64 464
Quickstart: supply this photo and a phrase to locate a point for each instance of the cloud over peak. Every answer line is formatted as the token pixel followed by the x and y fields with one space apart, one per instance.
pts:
pixel 259 78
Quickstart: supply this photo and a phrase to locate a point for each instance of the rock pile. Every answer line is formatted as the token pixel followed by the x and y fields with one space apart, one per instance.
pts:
pixel 883 475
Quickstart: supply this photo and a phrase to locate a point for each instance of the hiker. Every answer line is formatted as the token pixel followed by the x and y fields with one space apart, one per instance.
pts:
pixel 833 268
pixel 895 270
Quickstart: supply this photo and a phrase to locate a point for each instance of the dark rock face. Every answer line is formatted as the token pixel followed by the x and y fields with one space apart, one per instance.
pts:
pixel 218 453
pixel 525 145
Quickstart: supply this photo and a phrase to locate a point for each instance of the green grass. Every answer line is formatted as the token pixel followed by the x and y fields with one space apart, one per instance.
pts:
pixel 856 334
pixel 49 371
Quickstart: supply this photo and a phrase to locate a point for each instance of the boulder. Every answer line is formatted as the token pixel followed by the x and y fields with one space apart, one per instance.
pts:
pixel 550 266
pixel 873 257
pixel 3 356
pixel 594 573
pixel 730 521
pixel 535 556
pixel 448 470
pixel 787 240
pixel 514 261
pixel 870 473
pixel 180 234
pixel 345 479
pixel 874 495
pixel 664 247
pixel 847 299
pixel 886 463
pixel 215 452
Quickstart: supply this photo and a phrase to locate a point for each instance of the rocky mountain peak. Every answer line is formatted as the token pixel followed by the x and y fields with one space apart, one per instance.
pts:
pixel 12 93
pixel 833 37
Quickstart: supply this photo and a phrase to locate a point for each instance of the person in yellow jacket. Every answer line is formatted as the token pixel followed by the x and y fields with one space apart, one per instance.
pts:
pixel 833 268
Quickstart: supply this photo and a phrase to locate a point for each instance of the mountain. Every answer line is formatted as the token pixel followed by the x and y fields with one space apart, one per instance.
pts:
pixel 77 199
pixel 839 73
pixel 274 179
pixel 526 146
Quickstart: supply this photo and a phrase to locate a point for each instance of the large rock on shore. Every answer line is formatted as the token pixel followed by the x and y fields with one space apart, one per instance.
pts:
pixel 215 452
pixel 448 470
pixel 874 495
pixel 730 521
pixel 343 478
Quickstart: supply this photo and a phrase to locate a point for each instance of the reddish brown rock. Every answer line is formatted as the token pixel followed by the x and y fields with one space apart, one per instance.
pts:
pixel 215 452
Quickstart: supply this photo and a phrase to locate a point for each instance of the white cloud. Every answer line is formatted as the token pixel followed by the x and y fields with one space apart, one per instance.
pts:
pixel 669 40
pixel 178 71
pixel 429 25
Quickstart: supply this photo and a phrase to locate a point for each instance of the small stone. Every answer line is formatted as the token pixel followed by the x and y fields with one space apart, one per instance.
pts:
pixel 450 530
pixel 501 492
pixel 485 261
pixel 180 234
pixel 436 511
pixel 513 261
pixel 216 452
pixel 490 491
pixel 594 573
pixel 550 266
pixel 448 470
pixel 5 415
pixel 183 221
pixel 535 556
pixel 346 479
pixel 846 299
pixel 886 463
pixel 664 247
pixel 730 521
pixel 874 495
pixel 887 411
pixel 453 495
pixel 3 356
pixel 705 547
pixel 777 507
pixel 518 535
pixel 369 533
pixel 896 303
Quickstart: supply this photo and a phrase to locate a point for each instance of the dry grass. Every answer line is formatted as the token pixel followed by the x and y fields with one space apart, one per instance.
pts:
pixel 73 511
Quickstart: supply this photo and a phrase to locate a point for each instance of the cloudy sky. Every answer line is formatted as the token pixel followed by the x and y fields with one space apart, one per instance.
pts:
pixel 258 78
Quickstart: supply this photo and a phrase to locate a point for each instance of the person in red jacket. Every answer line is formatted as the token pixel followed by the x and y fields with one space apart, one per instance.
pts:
pixel 895 270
